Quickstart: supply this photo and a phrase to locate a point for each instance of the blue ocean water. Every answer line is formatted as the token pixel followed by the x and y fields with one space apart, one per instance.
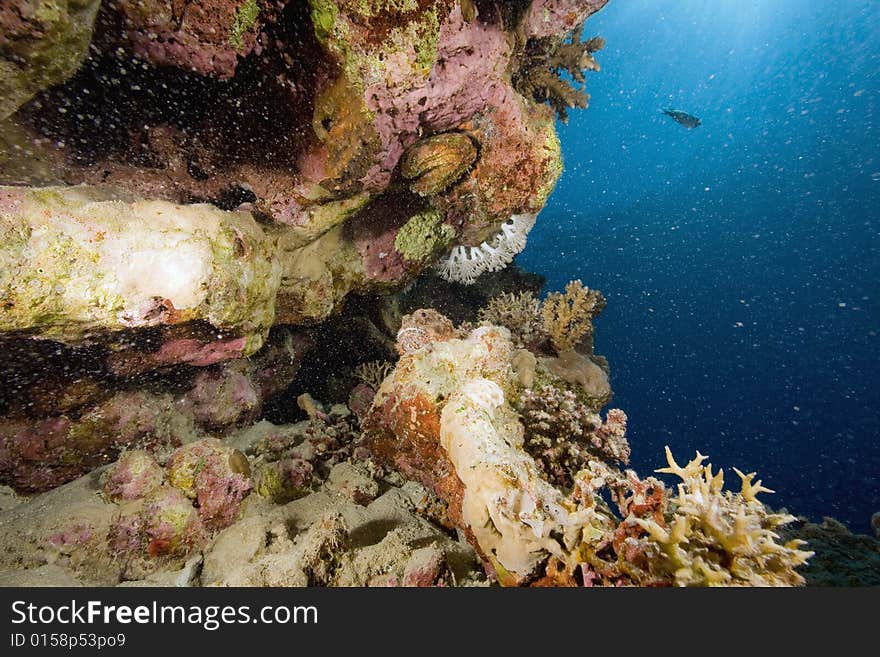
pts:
pixel 741 259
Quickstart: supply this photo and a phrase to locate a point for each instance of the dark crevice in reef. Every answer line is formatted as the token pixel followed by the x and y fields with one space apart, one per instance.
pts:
pixel 180 134
pixel 366 327
pixel 362 332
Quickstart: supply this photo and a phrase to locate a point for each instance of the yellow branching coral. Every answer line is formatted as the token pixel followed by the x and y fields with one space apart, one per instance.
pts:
pixel 544 64
pixel 568 317
pixel 716 537
pixel 750 490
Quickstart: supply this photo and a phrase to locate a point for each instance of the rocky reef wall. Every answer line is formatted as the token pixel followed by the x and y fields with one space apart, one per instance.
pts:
pixel 179 181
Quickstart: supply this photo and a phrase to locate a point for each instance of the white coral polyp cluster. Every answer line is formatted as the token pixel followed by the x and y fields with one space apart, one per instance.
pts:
pixel 465 263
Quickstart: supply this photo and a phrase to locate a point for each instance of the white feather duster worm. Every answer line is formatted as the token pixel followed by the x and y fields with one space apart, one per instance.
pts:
pixel 465 263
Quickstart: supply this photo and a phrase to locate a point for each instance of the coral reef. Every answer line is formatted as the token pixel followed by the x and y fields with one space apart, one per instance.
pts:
pixel 462 303
pixel 215 243
pixel 344 530
pixel 263 163
pixel 206 36
pixel 374 372
pixel 543 18
pixel 716 537
pixel 525 485
pixel 359 96
pixel 364 101
pixel 518 312
pixel 423 236
pixel 82 426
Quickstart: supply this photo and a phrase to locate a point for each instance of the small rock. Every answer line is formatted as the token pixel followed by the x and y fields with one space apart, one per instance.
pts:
pixel 424 567
pixel 353 482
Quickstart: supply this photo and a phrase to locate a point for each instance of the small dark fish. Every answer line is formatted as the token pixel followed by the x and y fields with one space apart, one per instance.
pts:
pixel 689 121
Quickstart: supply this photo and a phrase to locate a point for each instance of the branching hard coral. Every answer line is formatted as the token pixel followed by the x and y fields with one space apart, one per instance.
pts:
pixel 373 372
pixel 289 464
pixel 562 434
pixel 546 60
pixel 703 536
pixel 465 263
pixel 568 317
pixel 518 312
pixel 717 537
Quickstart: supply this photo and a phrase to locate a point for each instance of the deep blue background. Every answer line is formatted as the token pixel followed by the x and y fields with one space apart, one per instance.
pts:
pixel 740 259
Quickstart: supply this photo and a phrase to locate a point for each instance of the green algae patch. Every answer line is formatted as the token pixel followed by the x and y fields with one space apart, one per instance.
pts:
pixel 324 14
pixel 428 36
pixel 47 52
pixel 423 236
pixel 73 261
pixel 553 153
pixel 245 19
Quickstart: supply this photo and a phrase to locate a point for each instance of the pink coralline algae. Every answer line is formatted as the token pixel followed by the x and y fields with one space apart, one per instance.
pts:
pixel 205 472
pixel 205 484
pixel 224 397
pixel 135 475
pixel 374 233
pixel 553 17
pixel 178 350
pixel 166 525
pixel 77 534
pixel 360 398
pixel 39 455
pixel 445 98
pixel 93 424
pixel 206 36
